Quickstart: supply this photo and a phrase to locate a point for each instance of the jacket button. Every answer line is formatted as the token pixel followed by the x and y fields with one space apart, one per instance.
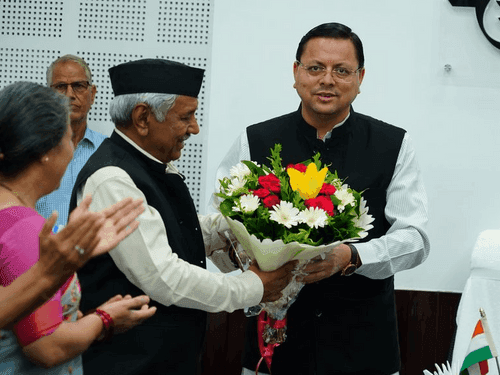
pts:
pixel 70 369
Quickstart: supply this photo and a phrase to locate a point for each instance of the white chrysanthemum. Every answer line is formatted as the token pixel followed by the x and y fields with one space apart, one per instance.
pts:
pixel 236 184
pixel 240 171
pixel 445 369
pixel 364 220
pixel 345 196
pixel 314 217
pixel 249 203
pixel 285 214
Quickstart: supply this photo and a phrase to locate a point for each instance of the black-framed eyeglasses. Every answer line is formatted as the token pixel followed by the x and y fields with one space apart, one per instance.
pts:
pixel 338 73
pixel 78 87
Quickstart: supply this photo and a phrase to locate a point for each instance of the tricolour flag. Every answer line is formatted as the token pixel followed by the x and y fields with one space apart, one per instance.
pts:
pixel 481 348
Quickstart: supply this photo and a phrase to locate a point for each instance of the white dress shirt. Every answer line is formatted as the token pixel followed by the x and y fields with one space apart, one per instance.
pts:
pixel 406 244
pixel 149 263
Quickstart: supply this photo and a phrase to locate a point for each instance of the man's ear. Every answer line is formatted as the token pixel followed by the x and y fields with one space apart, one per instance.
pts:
pixel 93 91
pixel 140 119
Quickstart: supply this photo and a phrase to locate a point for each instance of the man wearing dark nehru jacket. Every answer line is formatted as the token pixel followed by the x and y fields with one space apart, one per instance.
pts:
pixel 154 114
pixel 344 321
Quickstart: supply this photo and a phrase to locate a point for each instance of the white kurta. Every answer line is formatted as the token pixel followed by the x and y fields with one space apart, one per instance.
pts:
pixel 149 263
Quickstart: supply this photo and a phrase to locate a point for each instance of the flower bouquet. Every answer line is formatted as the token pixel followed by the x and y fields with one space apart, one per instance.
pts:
pixel 280 214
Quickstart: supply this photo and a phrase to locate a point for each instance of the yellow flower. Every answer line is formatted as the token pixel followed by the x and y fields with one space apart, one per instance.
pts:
pixel 308 184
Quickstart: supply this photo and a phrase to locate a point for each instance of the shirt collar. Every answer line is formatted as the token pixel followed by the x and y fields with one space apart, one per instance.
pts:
pixel 329 133
pixel 169 167
pixel 90 136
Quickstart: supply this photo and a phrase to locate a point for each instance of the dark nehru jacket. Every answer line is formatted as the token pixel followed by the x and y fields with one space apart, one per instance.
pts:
pixel 340 324
pixel 173 336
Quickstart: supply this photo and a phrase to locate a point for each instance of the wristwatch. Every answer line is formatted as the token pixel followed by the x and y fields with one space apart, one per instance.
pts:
pixel 352 266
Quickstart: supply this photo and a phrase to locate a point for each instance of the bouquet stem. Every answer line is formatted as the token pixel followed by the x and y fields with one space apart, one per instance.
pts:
pixel 271 333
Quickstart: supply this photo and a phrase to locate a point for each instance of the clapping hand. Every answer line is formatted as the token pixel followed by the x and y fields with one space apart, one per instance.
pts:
pixel 87 234
pixel 119 223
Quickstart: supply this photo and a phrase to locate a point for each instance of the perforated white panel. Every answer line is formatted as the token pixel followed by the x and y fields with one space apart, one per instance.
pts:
pixel 32 18
pixel 106 33
pixel 25 64
pixel 184 22
pixel 114 20
pixel 192 167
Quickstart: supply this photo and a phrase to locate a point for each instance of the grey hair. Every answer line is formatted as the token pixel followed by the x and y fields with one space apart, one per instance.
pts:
pixel 33 120
pixel 121 107
pixel 65 58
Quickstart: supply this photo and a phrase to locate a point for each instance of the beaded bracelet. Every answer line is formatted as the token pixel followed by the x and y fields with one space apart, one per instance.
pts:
pixel 109 324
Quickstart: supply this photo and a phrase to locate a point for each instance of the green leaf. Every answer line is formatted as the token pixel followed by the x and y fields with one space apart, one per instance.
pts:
pixel 317 161
pixel 298 252
pixel 275 158
pixel 226 207
pixel 254 168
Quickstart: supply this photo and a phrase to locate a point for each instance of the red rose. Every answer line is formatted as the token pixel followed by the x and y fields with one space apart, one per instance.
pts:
pixel 322 202
pixel 270 182
pixel 300 167
pixel 261 193
pixel 271 201
pixel 327 189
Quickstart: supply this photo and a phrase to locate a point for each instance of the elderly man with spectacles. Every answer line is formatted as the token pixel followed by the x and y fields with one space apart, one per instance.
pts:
pixel 71 76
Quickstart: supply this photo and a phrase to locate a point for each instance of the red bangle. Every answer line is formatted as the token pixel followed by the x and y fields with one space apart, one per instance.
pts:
pixel 109 324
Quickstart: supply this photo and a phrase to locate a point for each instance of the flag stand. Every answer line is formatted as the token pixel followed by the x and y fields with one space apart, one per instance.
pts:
pixel 490 337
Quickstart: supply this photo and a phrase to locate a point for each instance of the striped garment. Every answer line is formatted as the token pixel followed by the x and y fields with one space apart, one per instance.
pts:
pixel 58 200
pixel 481 348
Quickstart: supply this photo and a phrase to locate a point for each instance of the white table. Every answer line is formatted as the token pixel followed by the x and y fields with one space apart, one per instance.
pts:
pixel 482 290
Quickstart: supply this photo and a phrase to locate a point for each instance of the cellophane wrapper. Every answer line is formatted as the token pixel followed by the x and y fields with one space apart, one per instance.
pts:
pixel 270 255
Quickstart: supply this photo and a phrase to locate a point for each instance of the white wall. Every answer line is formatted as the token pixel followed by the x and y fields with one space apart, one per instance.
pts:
pixel 451 116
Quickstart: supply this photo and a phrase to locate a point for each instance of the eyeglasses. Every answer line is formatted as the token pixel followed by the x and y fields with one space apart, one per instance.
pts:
pixel 339 73
pixel 78 87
